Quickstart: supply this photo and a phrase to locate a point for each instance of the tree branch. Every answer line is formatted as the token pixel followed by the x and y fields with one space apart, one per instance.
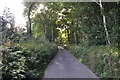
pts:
pixel 96 2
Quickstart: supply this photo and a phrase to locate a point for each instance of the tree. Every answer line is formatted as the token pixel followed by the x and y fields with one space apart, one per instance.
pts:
pixel 29 7
pixel 104 20
pixel 6 18
pixel 75 23
pixel 29 20
pixel 44 21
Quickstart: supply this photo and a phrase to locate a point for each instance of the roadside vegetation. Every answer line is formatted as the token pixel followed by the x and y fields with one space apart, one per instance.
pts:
pixel 89 31
pixel 102 60
pixel 28 59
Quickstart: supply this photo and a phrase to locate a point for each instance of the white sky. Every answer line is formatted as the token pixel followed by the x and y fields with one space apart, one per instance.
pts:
pixel 16 7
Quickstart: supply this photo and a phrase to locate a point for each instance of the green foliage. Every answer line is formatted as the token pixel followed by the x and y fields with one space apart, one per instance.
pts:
pixel 13 64
pixel 66 24
pixel 41 52
pixel 102 60
pixel 29 59
pixel 79 22
pixel 7 27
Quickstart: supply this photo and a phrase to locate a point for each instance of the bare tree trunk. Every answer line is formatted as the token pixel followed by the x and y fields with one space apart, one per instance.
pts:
pixel 29 26
pixel 29 21
pixel 104 22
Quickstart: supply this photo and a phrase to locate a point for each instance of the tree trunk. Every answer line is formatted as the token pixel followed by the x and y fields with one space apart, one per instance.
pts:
pixel 1 34
pixel 104 22
pixel 29 21
pixel 75 38
pixel 29 26
pixel 52 35
pixel 0 38
pixel 45 30
pixel 68 34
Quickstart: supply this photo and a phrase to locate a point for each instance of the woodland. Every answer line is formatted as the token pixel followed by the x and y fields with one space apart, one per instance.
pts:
pixel 88 30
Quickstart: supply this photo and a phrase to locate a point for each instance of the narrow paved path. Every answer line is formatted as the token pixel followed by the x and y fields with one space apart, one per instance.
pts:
pixel 65 65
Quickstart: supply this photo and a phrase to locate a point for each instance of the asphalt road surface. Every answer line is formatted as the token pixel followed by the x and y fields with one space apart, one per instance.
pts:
pixel 65 65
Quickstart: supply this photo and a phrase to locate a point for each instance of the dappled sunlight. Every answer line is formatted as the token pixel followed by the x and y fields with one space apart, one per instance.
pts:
pixel 80 60
pixel 38 37
pixel 41 8
pixel 63 35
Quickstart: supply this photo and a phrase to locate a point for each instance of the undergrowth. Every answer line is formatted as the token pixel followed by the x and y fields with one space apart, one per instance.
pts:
pixel 27 59
pixel 102 60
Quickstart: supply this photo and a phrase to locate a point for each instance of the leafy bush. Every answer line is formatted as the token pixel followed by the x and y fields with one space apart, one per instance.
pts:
pixel 13 64
pixel 29 59
pixel 103 60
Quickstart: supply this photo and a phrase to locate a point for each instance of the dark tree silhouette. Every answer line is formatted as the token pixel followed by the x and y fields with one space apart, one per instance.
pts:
pixel 29 20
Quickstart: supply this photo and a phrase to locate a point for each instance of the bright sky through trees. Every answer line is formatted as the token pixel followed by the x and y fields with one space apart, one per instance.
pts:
pixel 16 7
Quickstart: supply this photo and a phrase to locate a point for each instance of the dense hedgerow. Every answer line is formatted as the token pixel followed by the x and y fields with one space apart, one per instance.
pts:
pixel 102 60
pixel 28 59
